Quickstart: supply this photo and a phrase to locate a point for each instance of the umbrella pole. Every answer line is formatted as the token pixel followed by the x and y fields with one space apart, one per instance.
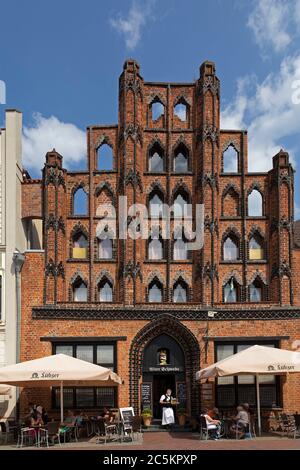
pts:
pixel 61 403
pixel 258 405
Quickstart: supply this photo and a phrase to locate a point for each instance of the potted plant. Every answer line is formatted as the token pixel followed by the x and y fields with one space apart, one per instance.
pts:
pixel 147 416
pixel 181 413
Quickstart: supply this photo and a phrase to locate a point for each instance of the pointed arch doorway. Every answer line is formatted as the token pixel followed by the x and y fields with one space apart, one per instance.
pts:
pixel 164 354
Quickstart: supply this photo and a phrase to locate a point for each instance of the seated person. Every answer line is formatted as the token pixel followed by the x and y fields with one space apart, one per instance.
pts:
pixel 68 423
pixel 214 413
pixel 40 409
pixel 212 424
pixel 35 421
pixel 241 421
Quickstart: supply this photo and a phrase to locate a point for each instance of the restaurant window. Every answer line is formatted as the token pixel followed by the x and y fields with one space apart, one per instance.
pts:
pixel 234 390
pixel 88 397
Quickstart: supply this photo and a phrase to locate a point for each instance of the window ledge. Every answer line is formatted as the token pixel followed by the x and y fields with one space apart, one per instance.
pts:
pixel 109 260
pixel 238 261
pixel 151 261
pixel 181 261
pixel 231 174
pixel 257 261
pixel 78 260
pixel 78 217
pixel 256 217
pixel 96 172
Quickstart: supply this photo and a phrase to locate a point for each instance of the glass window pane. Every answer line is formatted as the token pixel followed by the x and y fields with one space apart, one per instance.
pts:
pixel 155 249
pixel 255 293
pixel 230 292
pixel 80 293
pixel 268 396
pixel 105 294
pixel 84 397
pixel 155 293
pixel 179 294
pixel 85 352
pixel 247 394
pixel 105 354
pixel 179 205
pixel 105 396
pixel 68 397
pixel 230 250
pixel 223 351
pixel 106 248
pixel 66 349
pixel 180 250
pixel 225 396
pixel 155 204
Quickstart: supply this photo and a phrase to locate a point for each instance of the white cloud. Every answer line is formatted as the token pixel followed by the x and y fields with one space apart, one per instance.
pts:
pixel 131 27
pixel 49 133
pixel 269 114
pixel 273 23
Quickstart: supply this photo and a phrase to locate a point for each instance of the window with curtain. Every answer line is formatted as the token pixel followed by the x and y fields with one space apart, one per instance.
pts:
pixel 80 246
pixel 255 291
pixel 256 250
pixel 155 205
pixel 231 291
pixel 230 249
pixel 105 248
pixel 80 292
pixel 87 397
pixel 180 251
pixel 234 390
pixel 105 292
pixel 180 292
pixel 180 202
pixel 155 249
pixel 155 292
pixel 255 204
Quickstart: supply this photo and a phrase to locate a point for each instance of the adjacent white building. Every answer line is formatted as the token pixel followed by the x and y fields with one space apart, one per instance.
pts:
pixel 12 242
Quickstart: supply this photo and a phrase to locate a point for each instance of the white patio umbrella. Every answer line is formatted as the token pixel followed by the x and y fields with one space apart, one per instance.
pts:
pixel 57 370
pixel 255 360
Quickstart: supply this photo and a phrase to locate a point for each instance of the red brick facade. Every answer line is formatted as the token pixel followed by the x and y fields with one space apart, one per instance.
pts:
pixel 48 309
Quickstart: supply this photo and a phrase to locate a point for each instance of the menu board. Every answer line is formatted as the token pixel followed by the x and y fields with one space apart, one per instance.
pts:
pixel 126 414
pixel 181 393
pixel 146 395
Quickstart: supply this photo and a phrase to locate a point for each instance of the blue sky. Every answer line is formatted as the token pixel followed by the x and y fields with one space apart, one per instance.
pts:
pixel 61 61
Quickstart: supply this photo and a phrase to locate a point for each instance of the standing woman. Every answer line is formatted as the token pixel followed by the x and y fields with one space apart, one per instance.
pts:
pixel 167 410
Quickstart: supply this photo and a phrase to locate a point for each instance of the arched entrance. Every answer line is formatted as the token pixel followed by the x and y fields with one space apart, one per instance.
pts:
pixel 164 353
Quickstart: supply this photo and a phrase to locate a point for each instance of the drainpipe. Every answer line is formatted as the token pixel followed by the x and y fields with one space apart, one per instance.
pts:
pixel 18 260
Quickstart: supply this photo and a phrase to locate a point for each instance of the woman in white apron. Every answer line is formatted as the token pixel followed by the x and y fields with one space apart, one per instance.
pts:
pixel 167 410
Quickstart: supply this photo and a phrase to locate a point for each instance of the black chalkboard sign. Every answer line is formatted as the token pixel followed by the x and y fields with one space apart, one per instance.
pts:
pixel 181 393
pixel 126 415
pixel 146 395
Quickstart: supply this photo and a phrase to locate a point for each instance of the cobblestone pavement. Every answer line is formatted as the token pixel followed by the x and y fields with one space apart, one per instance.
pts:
pixel 182 441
